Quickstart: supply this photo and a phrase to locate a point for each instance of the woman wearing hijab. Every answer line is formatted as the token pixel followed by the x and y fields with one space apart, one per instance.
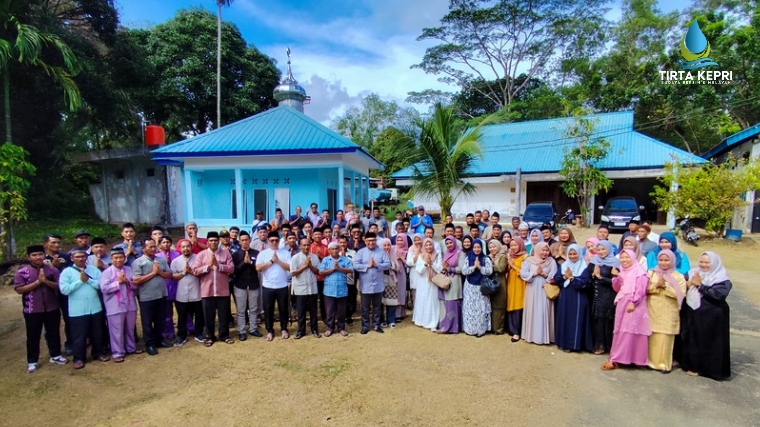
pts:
pixel 498 298
pixel 402 249
pixel 666 291
pixel 391 281
pixel 632 243
pixel 590 250
pixel 476 307
pixel 565 238
pixel 515 288
pixel 668 241
pixel 573 328
pixel 426 305
pixel 412 257
pixel 505 239
pixel 631 335
pixel 535 237
pixel 600 272
pixel 538 316
pixel 451 299
pixel 706 349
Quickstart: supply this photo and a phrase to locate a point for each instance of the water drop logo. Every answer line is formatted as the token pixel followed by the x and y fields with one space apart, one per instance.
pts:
pixel 695 49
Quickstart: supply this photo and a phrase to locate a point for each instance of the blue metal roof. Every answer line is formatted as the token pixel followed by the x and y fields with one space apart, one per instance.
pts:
pixel 538 147
pixel 735 139
pixel 280 130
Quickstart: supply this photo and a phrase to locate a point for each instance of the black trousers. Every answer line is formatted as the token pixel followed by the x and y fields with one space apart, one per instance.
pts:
pixel 51 320
pixel 212 306
pixel 270 297
pixel 303 303
pixel 376 301
pixel 83 327
pixel 321 292
pixel 152 318
pixel 63 301
pixel 184 309
pixel 353 293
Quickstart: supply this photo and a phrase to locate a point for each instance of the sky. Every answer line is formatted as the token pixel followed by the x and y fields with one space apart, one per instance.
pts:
pixel 342 50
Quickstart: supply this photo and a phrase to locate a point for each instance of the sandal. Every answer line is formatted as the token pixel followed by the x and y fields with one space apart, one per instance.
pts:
pixel 78 364
pixel 104 358
pixel 208 343
pixel 285 335
pixel 118 359
pixel 270 337
pixel 229 341
pixel 328 333
pixel 599 351
pixel 692 373
pixel 138 352
pixel 609 366
pixel 344 333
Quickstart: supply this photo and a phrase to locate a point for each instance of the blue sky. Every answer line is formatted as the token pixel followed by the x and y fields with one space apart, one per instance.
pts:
pixel 342 49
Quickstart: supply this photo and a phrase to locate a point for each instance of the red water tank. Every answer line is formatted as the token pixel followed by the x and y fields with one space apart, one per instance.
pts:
pixel 154 135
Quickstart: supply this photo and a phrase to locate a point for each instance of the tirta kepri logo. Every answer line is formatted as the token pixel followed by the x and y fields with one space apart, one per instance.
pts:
pixel 695 49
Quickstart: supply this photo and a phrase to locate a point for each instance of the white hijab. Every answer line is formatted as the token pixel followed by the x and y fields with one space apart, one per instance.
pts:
pixel 716 274
pixel 575 267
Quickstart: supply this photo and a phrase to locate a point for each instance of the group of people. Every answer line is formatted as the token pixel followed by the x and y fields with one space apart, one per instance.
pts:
pixel 642 303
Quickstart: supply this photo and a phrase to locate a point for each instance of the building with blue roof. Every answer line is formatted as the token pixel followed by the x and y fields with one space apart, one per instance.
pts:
pixel 744 144
pixel 521 163
pixel 280 158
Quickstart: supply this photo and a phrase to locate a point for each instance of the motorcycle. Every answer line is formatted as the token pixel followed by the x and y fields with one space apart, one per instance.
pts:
pixel 687 231
pixel 568 217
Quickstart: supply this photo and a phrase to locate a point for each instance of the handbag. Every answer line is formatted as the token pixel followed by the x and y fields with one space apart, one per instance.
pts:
pixel 552 291
pixel 442 281
pixel 489 284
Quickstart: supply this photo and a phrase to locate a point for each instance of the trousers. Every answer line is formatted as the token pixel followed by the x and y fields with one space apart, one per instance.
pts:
pixel 152 319
pixel 212 306
pixel 121 328
pixel 83 327
pixel 375 301
pixel 51 321
pixel 280 296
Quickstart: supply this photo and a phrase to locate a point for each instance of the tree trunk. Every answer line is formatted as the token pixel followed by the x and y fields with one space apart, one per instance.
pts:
pixel 219 65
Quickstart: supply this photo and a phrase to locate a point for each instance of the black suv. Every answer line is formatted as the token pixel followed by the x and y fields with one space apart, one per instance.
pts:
pixel 619 211
pixel 538 213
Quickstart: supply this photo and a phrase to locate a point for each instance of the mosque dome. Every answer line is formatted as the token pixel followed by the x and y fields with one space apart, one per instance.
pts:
pixel 289 92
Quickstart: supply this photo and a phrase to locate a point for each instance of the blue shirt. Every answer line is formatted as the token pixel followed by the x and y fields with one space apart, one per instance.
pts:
pixel 418 224
pixel 83 296
pixel 371 280
pixel 336 283
pixel 136 247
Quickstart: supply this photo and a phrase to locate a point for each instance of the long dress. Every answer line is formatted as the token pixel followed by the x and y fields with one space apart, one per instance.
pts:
pixel 451 300
pixel 538 315
pixel 706 349
pixel 413 274
pixel 515 297
pixel 602 306
pixel 665 321
pixel 426 305
pixel 630 341
pixel 499 298
pixel 573 323
pixel 401 286
pixel 476 307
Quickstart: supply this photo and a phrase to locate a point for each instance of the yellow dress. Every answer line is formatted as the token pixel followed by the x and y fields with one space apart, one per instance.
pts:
pixel 515 287
pixel 664 319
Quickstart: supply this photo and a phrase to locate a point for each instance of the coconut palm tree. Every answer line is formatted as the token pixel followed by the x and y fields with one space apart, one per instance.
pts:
pixel 21 46
pixel 219 4
pixel 443 156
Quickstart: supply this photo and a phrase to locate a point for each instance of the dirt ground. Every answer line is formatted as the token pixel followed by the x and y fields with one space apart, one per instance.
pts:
pixel 405 377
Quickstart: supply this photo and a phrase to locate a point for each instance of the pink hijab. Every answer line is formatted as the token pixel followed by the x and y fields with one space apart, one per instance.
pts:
pixel 630 275
pixel 452 257
pixel 667 274
pixel 402 249
pixel 414 250
pixel 535 256
pixel 589 253
pixel 391 256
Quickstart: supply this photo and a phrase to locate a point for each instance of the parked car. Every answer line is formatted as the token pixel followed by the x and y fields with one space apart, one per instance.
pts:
pixel 619 211
pixel 380 195
pixel 538 213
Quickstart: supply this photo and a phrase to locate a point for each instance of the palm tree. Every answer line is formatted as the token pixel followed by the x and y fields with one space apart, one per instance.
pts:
pixel 21 45
pixel 443 157
pixel 219 4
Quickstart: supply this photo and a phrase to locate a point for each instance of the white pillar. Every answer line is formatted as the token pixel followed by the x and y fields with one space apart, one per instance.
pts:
pixel 239 195
pixel 671 220
pixel 360 206
pixel 189 216
pixel 353 187
pixel 341 190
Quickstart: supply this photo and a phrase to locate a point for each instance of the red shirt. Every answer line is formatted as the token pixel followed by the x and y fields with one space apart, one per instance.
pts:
pixel 321 252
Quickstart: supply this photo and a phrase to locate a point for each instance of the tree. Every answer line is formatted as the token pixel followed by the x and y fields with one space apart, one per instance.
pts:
pixel 391 148
pixel 219 4
pixel 23 45
pixel 443 157
pixel 362 124
pixel 494 42
pixel 183 52
pixel 710 192
pixel 583 179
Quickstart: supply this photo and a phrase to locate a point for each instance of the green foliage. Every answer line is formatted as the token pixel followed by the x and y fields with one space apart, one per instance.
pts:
pixel 583 179
pixel 392 148
pixel 32 232
pixel 14 170
pixel 364 123
pixel 710 192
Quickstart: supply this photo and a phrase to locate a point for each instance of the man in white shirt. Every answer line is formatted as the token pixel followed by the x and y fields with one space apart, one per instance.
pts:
pixel 399 218
pixel 304 267
pixel 274 265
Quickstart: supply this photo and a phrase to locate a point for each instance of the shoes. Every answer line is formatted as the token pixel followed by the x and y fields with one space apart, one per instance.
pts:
pixel 78 364
pixel 151 350
pixel 316 334
pixel 68 350
pixel 379 330
pixel 31 367
pixel 256 333
pixel 393 325
pixel 384 325
pixel 166 344
pixel 179 342
pixel 200 338
pixel 299 335
pixel 242 336
pixel 365 331
pixel 59 360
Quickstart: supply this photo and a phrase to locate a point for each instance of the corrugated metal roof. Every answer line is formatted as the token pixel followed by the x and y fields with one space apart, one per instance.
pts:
pixel 538 147
pixel 735 139
pixel 279 130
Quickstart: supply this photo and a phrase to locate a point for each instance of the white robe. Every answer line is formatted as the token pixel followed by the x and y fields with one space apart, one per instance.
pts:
pixel 427 307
